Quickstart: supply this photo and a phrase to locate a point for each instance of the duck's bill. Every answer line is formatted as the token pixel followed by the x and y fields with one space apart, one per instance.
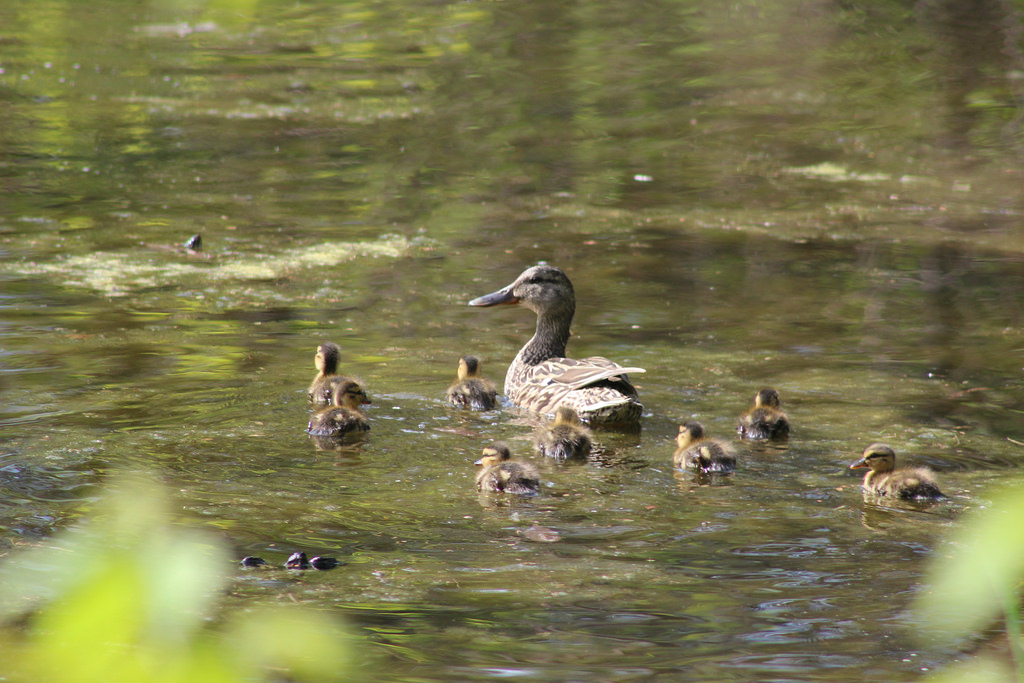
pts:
pixel 501 297
pixel 860 464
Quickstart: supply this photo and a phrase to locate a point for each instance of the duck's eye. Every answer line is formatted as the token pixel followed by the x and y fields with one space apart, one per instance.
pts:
pixel 539 278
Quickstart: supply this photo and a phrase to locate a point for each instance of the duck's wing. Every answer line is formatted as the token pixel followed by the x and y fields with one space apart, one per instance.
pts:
pixel 596 388
pixel 584 372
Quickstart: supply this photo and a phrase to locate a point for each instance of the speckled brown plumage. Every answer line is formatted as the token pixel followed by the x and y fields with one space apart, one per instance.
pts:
pixel 540 377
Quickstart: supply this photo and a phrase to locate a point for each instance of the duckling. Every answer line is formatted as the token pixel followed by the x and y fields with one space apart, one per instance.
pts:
pixel 883 479
pixel 766 419
pixel 344 416
pixel 470 390
pixel 328 355
pixel 501 474
pixel 697 451
pixel 566 438
pixel 541 378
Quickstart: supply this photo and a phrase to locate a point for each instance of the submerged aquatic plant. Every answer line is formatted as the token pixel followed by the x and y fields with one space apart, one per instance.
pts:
pixel 130 596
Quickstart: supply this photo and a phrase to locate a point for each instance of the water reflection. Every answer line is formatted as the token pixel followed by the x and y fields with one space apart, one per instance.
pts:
pixel 979 46
pixel 744 196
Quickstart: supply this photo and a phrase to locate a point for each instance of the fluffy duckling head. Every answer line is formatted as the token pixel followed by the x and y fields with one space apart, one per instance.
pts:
pixel 327 356
pixel 689 433
pixel 543 289
pixel 495 454
pixel 348 393
pixel 879 457
pixel 767 398
pixel 566 415
pixel 469 367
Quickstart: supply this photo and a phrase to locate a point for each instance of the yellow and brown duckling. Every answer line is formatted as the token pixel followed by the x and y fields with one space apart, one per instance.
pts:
pixel 566 438
pixel 766 419
pixel 694 450
pixel 470 390
pixel 343 417
pixel 327 358
pixel 905 483
pixel 541 378
pixel 500 473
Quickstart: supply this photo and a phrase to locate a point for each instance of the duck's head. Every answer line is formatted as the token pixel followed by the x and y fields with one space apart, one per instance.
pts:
pixel 348 393
pixel 469 366
pixel 327 356
pixel 566 415
pixel 542 289
pixel 494 454
pixel 688 433
pixel 767 398
pixel 878 456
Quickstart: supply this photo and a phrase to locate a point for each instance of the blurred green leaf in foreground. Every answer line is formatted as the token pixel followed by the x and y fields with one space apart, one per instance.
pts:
pixel 976 587
pixel 130 596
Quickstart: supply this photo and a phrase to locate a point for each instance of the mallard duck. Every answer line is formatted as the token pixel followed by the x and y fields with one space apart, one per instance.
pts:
pixel 566 438
pixel 883 479
pixel 326 361
pixel 766 419
pixel 696 451
pixel 343 416
pixel 501 474
pixel 541 378
pixel 470 390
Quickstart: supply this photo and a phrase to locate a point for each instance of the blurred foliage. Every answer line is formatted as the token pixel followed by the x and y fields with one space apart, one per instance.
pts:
pixel 130 596
pixel 978 586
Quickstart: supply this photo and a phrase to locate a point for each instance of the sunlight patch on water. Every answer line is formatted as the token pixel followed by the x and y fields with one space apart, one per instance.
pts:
pixel 829 171
pixel 120 274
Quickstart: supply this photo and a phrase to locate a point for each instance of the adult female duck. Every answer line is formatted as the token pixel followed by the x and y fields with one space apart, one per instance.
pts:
pixel 541 378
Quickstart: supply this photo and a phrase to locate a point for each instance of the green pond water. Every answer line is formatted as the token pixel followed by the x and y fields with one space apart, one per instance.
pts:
pixel 820 197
